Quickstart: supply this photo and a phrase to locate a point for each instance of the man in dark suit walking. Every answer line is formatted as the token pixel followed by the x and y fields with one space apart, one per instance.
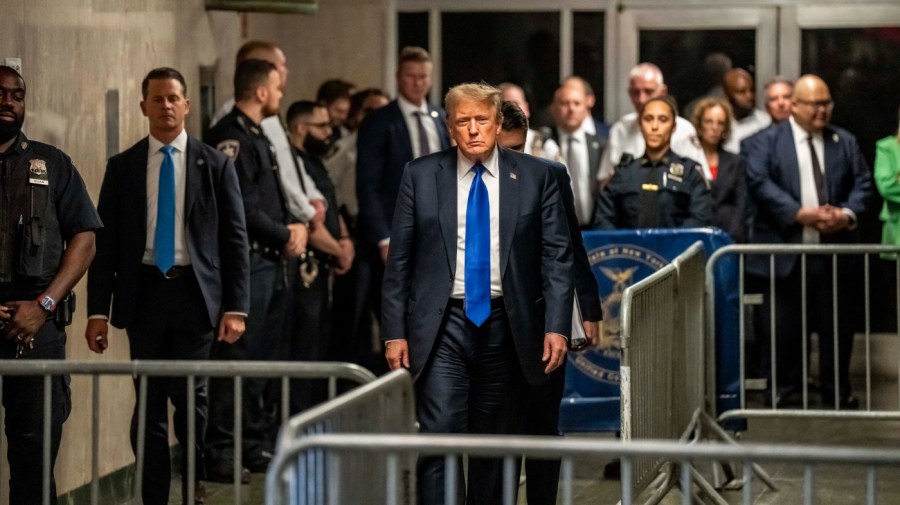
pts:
pixel 172 260
pixel 810 185
pixel 487 224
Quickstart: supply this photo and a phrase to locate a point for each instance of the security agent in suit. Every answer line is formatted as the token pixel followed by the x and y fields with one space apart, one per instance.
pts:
pixel 580 150
pixel 660 189
pixel 488 224
pixel 543 415
pixel 810 185
pixel 46 245
pixel 275 243
pixel 173 264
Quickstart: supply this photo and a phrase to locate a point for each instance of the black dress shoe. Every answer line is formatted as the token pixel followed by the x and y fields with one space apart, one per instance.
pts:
pixel 259 463
pixel 199 493
pixel 613 470
pixel 223 473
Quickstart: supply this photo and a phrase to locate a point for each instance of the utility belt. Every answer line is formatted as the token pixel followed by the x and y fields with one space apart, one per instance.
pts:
pixel 264 251
pixel 312 264
pixel 64 308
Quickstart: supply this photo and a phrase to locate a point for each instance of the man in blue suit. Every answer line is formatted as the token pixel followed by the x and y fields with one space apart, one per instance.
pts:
pixel 810 185
pixel 477 295
pixel 172 267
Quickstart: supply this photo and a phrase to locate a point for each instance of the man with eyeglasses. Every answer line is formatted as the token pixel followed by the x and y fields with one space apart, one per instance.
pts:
pixel 330 251
pixel 810 185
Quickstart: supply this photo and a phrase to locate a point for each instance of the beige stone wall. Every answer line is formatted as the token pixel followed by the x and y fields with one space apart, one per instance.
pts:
pixel 73 51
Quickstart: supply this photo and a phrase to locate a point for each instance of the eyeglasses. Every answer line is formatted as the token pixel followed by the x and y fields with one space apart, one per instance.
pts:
pixel 815 104
pixel 324 124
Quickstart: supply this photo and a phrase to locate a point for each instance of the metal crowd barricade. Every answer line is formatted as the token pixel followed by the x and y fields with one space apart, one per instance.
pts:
pixel 664 372
pixel 386 406
pixel 192 371
pixel 395 448
pixel 803 410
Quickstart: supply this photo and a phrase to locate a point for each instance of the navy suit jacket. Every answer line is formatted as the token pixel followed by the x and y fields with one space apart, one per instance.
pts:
pixel 215 234
pixel 535 256
pixel 596 144
pixel 773 177
pixel 728 193
pixel 383 149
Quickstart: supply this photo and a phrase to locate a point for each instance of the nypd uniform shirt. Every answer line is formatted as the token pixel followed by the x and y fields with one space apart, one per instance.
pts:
pixel 26 169
pixel 670 192
pixel 242 140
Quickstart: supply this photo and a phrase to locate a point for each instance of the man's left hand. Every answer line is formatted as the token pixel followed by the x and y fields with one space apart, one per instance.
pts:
pixel 554 351
pixel 591 331
pixel 28 318
pixel 231 327
pixel 835 220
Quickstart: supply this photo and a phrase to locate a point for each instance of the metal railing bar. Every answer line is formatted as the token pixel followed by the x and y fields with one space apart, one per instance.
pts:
pixel 95 439
pixel 191 448
pixel 48 416
pixel 141 438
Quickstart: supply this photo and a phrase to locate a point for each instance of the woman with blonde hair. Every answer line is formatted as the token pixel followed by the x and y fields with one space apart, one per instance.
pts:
pixel 712 117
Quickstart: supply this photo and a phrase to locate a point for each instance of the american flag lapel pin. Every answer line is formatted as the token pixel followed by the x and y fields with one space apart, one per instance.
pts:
pixel 513 176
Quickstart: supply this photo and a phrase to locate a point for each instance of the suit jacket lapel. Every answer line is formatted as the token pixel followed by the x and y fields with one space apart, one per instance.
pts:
pixel 509 206
pixel 446 185
pixel 441 127
pixel 194 169
pixel 832 161
pixel 403 136
pixel 139 181
pixel 593 147
pixel 787 146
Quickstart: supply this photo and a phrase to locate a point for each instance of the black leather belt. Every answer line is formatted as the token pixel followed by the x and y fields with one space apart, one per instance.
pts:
pixel 176 272
pixel 460 303
pixel 269 253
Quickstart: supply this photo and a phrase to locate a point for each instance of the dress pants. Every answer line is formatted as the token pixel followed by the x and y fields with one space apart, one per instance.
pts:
pixel 542 418
pixel 310 338
pixel 262 341
pixel 23 399
pixel 171 324
pixel 820 319
pixel 470 385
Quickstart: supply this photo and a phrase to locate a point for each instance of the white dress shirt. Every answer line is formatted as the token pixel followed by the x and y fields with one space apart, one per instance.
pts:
pixel 409 115
pixel 809 196
pixel 756 121
pixel 625 137
pixel 154 163
pixel 491 177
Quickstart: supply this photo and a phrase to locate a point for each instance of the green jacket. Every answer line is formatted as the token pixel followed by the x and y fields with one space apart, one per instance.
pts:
pixel 887 178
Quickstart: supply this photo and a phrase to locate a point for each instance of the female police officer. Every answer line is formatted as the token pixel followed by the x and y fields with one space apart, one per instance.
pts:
pixel 660 189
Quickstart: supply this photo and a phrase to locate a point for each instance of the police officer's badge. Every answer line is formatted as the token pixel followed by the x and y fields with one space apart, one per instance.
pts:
pixel 676 171
pixel 230 148
pixel 38 172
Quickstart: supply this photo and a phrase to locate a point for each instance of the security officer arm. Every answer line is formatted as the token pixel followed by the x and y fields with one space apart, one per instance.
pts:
pixel 30 315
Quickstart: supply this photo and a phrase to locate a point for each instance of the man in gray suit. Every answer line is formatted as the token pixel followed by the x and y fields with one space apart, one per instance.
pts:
pixel 477 293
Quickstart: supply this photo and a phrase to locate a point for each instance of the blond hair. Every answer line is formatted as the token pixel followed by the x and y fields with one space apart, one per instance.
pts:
pixel 474 92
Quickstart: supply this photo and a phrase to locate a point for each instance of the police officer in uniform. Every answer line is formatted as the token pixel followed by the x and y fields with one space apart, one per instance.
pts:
pixel 660 189
pixel 274 242
pixel 47 223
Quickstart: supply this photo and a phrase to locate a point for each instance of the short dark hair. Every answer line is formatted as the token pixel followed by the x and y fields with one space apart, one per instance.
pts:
pixel 666 99
pixel 251 47
pixel 249 75
pixel 413 53
pixel 513 117
pixel 358 100
pixel 10 70
pixel 333 90
pixel 300 109
pixel 163 73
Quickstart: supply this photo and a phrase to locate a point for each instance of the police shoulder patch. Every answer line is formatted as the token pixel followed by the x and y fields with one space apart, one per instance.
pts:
pixel 230 148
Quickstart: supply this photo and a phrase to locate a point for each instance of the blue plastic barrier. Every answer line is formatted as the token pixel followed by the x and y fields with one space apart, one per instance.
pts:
pixel 618 260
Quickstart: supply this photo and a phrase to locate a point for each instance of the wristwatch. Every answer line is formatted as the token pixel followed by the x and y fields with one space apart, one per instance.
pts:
pixel 49 304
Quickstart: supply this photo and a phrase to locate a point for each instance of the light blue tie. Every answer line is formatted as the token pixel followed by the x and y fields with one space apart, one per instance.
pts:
pixel 478 250
pixel 164 248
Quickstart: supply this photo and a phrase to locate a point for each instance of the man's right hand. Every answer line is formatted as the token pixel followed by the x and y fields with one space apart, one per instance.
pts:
pixel 397 354
pixel 96 335
pixel 296 244
pixel 808 216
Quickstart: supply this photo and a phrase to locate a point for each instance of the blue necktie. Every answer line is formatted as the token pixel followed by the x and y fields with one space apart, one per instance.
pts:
pixel 164 247
pixel 478 251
